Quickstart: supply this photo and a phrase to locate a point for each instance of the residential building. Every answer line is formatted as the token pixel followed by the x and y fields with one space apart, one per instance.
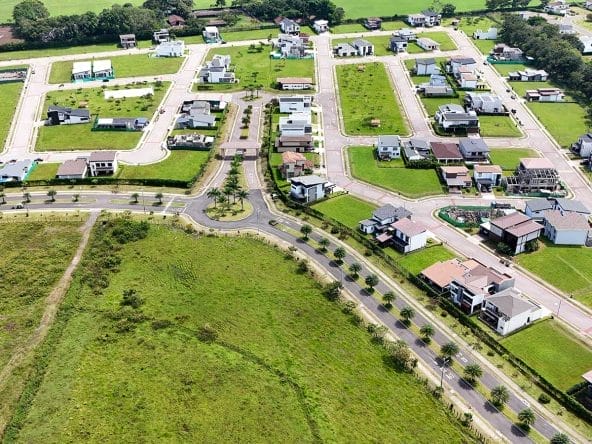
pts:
pixel 298 144
pixel 473 149
pixel 558 7
pixel 408 235
pixel 16 171
pixel 294 83
pixel 195 141
pixel 456 178
pixel 217 70
pixel 536 174
pixel 441 274
pixel 382 218
pixel 161 36
pixel 175 20
pixel 358 47
pixel 309 188
pixel 102 163
pixel 587 44
pixel 544 95
pixel 102 69
pixel 536 208
pixel 388 147
pixel 128 41
pixel 373 23
pixel 528 75
pixel 59 115
pixel 455 64
pixel 320 26
pixel 487 177
pixel 503 52
pixel 288 26
pixel 416 150
pixel 438 80
pixel 211 34
pixel 345 49
pixel 583 147
pixel 398 44
pixel 436 91
pixel 428 44
pixel 296 124
pixel 467 80
pixel 120 124
pixel 426 67
pixel 407 33
pixel 452 117
pixel 73 169
pixel 294 164
pixel 514 229
pixel 490 34
pixel 426 18
pixel 364 47
pixel 174 48
pixel 81 71
pixel 446 152
pixel 295 104
pixel 196 120
pixel 509 311
pixel 290 46
pixel 484 103
pixel 570 206
pixel 566 228
pixel 566 29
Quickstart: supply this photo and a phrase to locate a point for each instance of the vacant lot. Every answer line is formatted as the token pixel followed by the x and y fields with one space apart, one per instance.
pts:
pixel 385 8
pixel 505 68
pixel 554 263
pixel 81 136
pixel 552 351
pixel 418 260
pixel 498 126
pixel 508 158
pixel 406 181
pixel 44 171
pixel 50 52
pixel 346 209
pixel 180 165
pixel 565 121
pixel 9 97
pixel 366 93
pixel 204 340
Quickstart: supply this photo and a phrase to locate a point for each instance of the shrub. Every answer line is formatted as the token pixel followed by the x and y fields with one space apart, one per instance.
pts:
pixel 544 398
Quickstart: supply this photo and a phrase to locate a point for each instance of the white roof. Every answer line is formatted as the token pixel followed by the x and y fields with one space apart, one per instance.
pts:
pixel 211 29
pixel 80 67
pixel 102 65
pixel 104 121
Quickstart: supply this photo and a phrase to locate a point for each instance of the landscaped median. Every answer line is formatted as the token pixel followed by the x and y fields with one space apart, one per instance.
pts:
pixel 9 97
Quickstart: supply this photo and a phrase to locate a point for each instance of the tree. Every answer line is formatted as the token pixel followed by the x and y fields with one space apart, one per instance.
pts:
pixel 27 197
pixel 131 298
pixel 333 290
pixel 29 10
pixel 214 193
pixel 220 3
pixel 499 396
pixel 467 419
pixel 371 282
pixel 339 254
pixel 159 196
pixel 388 298
pixel 449 350
pixel 448 10
pixel 401 356
pixel 135 197
pixel 407 313
pixel 52 194
pixel 324 243
pixel 242 195
pixel 75 197
pixel 3 197
pixel 560 438
pixel 526 417
pixel 427 331
pixel 355 269
pixel 168 7
pixel 472 372
pixel 305 230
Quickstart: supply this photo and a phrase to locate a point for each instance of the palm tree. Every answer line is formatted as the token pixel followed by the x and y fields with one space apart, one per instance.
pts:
pixel 227 192
pixel 242 195
pixel 500 395
pixel 305 230
pixel 214 193
pixel 472 372
pixel 388 298
pixel 355 269
pixel 135 197
pixel 427 331
pixel 449 350
pixel 3 197
pixel 371 282
pixel 560 438
pixel 324 243
pixel 407 313
pixel 52 194
pixel 526 418
pixel 75 197
pixel 27 197
pixel 159 196
pixel 339 254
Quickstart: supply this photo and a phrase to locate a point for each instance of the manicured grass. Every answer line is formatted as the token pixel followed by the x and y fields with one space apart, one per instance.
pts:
pixel 498 126
pixel 346 209
pixel 81 136
pixel 565 267
pixel 552 351
pixel 44 171
pixel 281 367
pixel 446 43
pixel 386 8
pixel 406 181
pixel 505 68
pixel 124 66
pixel 349 28
pixel 9 97
pixel 508 158
pixel 520 88
pixel 418 260
pixel 254 67
pixel 255 34
pixel 179 165
pixel 380 42
pixel 432 104
pixel 368 94
pixel 485 46
pixel 565 121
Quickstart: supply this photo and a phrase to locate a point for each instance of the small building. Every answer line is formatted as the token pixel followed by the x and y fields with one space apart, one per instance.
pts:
pixel 217 71
pixel 503 52
pixel 514 229
pixel 128 41
pixel 195 141
pixel 59 115
pixel 453 117
pixel 426 67
pixel 570 206
pixel 196 120
pixel 398 44
pixel 161 36
pixel 358 47
pixel 298 144
pixel 295 164
pixel 320 26
pixel 382 218
pixel 373 23
pixel 309 188
pixel 102 69
pixel 294 83
pixel 473 149
pixel 536 174
pixel 566 228
pixel 407 33
pixel 120 124
pixel 583 146
pixel 455 64
pixel 345 49
pixel 487 177
pixel 211 34
pixel 467 80
pixel 364 47
pixel 457 178
pixel 528 75
pixel 295 104
pixel 288 26
pixel 428 44
pixel 490 34
pixel 508 311
pixel 587 44
pixel 566 29
pixel 446 152
pixel 175 20
pixel 427 18
pixel 388 147
pixel 16 171
pixel 557 7
pixel 408 235
pixel 484 103
pixel 544 95
pixel 416 149
pixel 73 169
pixel 102 163
pixel 436 91
pixel 536 208
pixel 174 48
pixel 81 71
pixel 588 5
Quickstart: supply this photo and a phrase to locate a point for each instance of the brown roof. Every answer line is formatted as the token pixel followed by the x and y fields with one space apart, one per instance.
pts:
pixel 297 80
pixel 409 227
pixel 72 167
pixel 304 138
pixel 525 228
pixel 173 18
pixel 446 150
pixel 102 156
pixel 510 220
pixel 566 221
pixel 536 163
pixel 488 169
pixel 289 157
pixel 443 273
pixel 457 170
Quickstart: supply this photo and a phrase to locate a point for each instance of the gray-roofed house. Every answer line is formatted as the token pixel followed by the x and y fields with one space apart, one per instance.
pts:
pixel 60 115
pixel 484 103
pixel 16 171
pixel 308 189
pixel 102 163
pixel 428 44
pixel 535 208
pixel 345 49
pixel 455 64
pixel 364 47
pixel 73 169
pixel 508 311
pixel 388 147
pixel 416 149
pixel 408 235
pixel 382 217
pixel 453 117
pixel 196 121
pixel 566 228
pixel 473 149
pixel 583 147
pixel 288 26
pixel 398 43
pixel 570 206
pixel 426 67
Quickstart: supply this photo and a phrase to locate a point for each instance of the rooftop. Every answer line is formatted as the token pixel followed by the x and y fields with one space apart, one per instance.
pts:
pixel 443 273
pixel 572 205
pixel 309 180
pixel 511 303
pixel 102 156
pixel 538 163
pixel 295 80
pixel 539 204
pixel 72 167
pixel 387 211
pixel 446 150
pixel 566 221
pixel 487 169
pixel 408 227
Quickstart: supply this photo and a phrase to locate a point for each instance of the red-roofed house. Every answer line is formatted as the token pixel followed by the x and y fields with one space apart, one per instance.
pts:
pixel 446 152
pixel 294 164
pixel 175 20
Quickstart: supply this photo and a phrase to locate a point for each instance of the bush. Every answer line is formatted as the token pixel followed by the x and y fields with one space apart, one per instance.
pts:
pixel 207 334
pixel 544 398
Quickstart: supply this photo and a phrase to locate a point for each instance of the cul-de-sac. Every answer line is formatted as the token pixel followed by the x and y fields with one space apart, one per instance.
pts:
pixel 275 221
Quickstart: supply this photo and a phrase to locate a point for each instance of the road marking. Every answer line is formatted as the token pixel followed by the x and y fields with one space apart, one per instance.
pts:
pixel 168 205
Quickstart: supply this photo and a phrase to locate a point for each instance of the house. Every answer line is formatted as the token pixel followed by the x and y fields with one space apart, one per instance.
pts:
pixel 298 144
pixel 102 163
pixel 583 147
pixel 81 71
pixel 196 120
pixel 211 34
pixel 566 29
pixel 294 83
pixel 102 69
pixel 473 149
pixel 345 49
pixel 569 228
pixel 174 48
pixel 528 75
pixel 296 124
pixel 73 169
pixel 217 70
pixel 295 104
pixel 558 7
pixel 128 41
pixel 120 124
pixel 320 26
pixel 195 141
pixel 514 229
pixel 436 91
pixel 426 67
pixel 503 52
pixel 536 208
pixel 373 23
pixel 407 33
pixel 416 150
pixel 309 188
pixel 587 42
pixel 398 44
pixel 388 147
pixel 294 164
pixel 536 174
pixel 290 46
pixel 175 20
pixel 441 274
pixel 426 18
pixel 490 34
pixel 508 311
pixel 456 178
pixel 570 206
pixel 160 36
pixel 484 103
pixel 544 95
pixel 487 177
pixel 59 115
pixel 428 44
pixel 288 26
pixel 446 152
pixel 452 117
pixel 16 171
pixel 364 47
pixel 455 64
pixel 408 235
pixel 358 47
pixel 382 218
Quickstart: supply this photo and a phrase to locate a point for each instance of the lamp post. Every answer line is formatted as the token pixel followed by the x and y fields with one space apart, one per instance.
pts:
pixel 445 361
pixel 257 212
pixel 143 201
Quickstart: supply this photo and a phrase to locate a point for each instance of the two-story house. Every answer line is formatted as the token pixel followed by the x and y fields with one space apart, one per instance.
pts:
pixel 473 149
pixel 456 178
pixel 583 147
pixel 288 26
pixel 408 235
pixel 514 229
pixel 102 163
pixel 509 311
pixel 566 228
pixel 487 177
pixel 484 103
pixel 310 188
pixel 295 104
pixel 294 164
pixel 388 147
pixel 382 218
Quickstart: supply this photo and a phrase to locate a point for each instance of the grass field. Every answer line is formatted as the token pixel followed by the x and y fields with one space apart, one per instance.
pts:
pixel 9 97
pixel 384 8
pixel 504 68
pixel 508 158
pixel 75 137
pixel 406 181
pixel 180 165
pixel 381 43
pixel 50 52
pixel 366 95
pixel 554 263
pixel 498 126
pixel 136 65
pixel 44 171
pixel 290 369
pixel 346 209
pixel 556 354
pixel 446 43
pixel 254 67
pixel 565 121
pixel 418 260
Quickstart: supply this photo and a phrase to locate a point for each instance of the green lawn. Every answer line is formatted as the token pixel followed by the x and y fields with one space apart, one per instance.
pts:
pixel 565 267
pixel 366 95
pixel 74 137
pixel 520 88
pixel 279 368
pixel 418 260
pixel 498 126
pixel 446 43
pixel 565 121
pixel 385 8
pixel 137 65
pixel 256 67
pixel 380 42
pixel 346 209
pixel 406 181
pixel 44 171
pixel 9 97
pixel 508 158
pixel 255 34
pixel 505 68
pixel 180 165
pixel 552 351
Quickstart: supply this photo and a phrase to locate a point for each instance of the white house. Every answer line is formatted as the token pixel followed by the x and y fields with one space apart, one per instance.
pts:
pixel 294 83
pixel 73 169
pixel 544 95
pixel 424 18
pixel 173 48
pixel 211 34
pixel 81 71
pixel 162 35
pixel 427 44
pixel 583 147
pixel 587 42
pixel 102 163
pixel 288 26
pixel 409 235
pixel 345 49
pixel 473 149
pixel 398 44
pixel 536 208
pixel 59 115
pixel 217 70
pixel 484 103
pixel 102 69
pixel 570 206
pixel 291 46
pixel 295 104
pixel 426 67
pixel 16 171
pixel 382 218
pixel 388 147
pixel 467 80
pixel 508 310
pixel 528 75
pixel 455 64
pixel 490 34
pixel 487 176
pixel 320 26
pixel 297 124
pixel 568 228
pixel 364 47
pixel 453 116
pixel 566 29
pixel 558 7
pixel 309 188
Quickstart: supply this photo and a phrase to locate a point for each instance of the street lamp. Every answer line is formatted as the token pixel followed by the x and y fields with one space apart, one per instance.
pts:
pixel 445 361
pixel 257 212
pixel 143 201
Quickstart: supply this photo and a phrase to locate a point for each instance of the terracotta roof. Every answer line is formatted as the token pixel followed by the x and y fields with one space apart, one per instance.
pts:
pixel 488 169
pixel 72 167
pixel 443 273
pixel 409 227
pixel 297 80
pixel 458 170
pixel 536 163
pixel 446 150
